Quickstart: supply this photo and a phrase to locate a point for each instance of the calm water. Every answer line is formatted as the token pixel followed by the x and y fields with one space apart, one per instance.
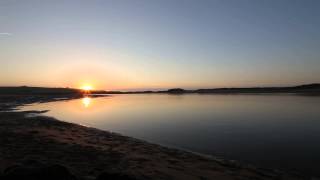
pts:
pixel 278 131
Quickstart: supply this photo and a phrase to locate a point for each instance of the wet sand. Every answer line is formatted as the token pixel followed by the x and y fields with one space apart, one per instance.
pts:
pixel 87 152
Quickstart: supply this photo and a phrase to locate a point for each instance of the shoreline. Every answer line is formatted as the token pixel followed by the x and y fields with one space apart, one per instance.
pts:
pixel 12 102
pixel 312 89
pixel 89 152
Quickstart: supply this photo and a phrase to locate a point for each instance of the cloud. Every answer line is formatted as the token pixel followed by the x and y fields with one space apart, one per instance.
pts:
pixel 5 34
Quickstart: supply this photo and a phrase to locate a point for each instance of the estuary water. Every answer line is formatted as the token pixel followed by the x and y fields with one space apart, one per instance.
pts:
pixel 274 131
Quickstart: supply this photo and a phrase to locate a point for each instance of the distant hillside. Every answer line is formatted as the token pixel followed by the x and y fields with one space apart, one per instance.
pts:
pixel 308 88
pixel 25 90
pixel 302 89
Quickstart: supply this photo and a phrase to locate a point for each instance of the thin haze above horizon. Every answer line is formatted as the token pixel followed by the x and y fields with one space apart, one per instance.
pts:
pixel 149 44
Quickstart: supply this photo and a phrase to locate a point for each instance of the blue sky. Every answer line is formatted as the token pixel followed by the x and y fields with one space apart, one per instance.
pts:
pixel 142 44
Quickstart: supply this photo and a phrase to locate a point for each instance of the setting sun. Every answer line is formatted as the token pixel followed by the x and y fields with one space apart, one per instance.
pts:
pixel 160 89
pixel 86 87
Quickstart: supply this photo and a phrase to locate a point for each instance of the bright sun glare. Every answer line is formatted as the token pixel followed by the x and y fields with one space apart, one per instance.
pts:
pixel 86 87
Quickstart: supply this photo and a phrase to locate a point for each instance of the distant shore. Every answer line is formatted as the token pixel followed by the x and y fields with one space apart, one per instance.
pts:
pixel 306 89
pixel 38 142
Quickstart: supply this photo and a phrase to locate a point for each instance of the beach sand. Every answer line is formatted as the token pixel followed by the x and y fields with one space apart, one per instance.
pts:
pixel 87 152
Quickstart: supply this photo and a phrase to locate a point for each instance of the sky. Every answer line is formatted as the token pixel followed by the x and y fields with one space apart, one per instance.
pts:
pixel 159 44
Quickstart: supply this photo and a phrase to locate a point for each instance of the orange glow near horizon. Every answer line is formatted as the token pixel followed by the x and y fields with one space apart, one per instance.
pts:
pixel 86 87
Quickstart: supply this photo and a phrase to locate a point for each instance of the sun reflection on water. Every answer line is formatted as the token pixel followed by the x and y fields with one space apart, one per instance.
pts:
pixel 86 101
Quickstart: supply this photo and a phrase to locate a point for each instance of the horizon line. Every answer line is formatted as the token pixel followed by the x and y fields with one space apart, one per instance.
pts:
pixel 163 89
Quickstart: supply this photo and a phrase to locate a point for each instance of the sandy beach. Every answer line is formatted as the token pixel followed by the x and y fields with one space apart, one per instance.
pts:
pixel 31 140
pixel 159 90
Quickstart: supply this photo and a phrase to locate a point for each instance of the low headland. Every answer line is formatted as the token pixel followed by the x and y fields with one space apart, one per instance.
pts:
pixel 39 147
pixel 307 89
